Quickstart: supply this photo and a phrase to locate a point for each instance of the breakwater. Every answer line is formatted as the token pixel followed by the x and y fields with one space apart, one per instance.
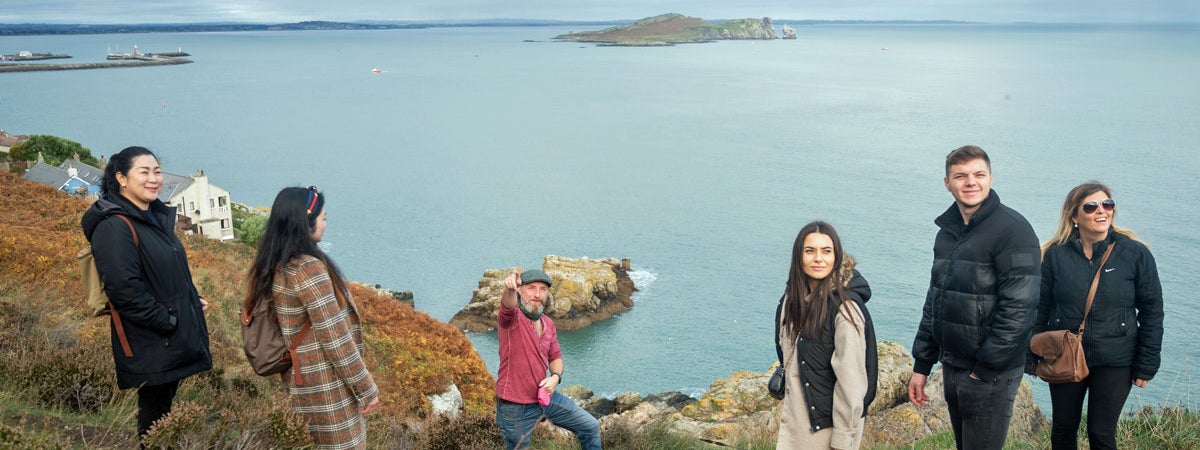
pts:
pixel 95 65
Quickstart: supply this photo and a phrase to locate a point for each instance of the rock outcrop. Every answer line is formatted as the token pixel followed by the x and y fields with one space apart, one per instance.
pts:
pixel 788 32
pixel 740 29
pixel 738 408
pixel 584 291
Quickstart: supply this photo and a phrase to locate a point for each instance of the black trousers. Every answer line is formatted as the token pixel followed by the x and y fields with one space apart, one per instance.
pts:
pixel 1106 389
pixel 980 410
pixel 154 402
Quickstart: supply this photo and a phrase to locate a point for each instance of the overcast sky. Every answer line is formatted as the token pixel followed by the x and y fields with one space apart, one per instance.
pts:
pixel 278 11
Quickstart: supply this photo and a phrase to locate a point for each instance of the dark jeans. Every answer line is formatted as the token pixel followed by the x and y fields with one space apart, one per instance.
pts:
pixel 980 410
pixel 154 402
pixel 516 421
pixel 1106 389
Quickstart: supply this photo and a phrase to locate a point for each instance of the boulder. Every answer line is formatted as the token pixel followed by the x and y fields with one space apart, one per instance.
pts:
pixel 585 291
pixel 895 369
pixel 907 423
pixel 448 403
pixel 788 32
pixel 738 408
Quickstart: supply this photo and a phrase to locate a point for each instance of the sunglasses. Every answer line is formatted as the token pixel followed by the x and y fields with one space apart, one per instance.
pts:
pixel 1090 207
pixel 313 194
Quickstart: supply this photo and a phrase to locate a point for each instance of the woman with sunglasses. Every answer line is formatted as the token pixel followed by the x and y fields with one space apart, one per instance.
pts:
pixel 1123 335
pixel 332 388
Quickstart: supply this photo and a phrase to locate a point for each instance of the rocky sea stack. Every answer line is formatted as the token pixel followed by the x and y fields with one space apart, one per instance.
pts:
pixel 585 291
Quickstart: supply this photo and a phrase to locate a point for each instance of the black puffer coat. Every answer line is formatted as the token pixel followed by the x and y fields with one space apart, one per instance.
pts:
pixel 150 286
pixel 983 292
pixel 1125 325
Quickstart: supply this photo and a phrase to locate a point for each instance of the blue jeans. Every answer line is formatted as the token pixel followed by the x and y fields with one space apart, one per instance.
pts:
pixel 516 421
pixel 980 410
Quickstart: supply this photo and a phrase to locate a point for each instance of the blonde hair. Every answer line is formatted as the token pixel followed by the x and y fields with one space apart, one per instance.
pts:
pixel 1066 227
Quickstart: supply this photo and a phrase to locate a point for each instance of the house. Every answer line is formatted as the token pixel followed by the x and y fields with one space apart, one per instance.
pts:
pixel 9 140
pixel 203 207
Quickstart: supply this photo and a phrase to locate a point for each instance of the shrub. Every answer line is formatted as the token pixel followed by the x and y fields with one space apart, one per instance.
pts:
pixel 248 225
pixel 289 430
pixel 471 431
pixel 53 149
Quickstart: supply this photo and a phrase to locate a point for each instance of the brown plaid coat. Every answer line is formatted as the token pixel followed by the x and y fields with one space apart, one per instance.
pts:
pixel 336 383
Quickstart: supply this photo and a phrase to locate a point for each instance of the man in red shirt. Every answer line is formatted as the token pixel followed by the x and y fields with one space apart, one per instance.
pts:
pixel 528 350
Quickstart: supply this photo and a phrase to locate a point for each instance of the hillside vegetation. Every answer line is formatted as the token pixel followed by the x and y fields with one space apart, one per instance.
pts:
pixel 57 381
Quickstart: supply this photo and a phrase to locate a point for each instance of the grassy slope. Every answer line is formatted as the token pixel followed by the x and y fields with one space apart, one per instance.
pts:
pixel 56 369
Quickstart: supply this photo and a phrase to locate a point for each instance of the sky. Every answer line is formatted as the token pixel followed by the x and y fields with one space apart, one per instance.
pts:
pixel 283 11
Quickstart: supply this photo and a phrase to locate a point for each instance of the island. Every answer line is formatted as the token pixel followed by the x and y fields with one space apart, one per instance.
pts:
pixel 673 28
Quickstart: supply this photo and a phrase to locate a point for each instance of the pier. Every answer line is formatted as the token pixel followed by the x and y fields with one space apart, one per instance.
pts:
pixel 140 62
pixel 135 59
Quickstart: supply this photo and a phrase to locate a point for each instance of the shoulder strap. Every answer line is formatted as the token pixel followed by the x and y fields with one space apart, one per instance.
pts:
pixel 117 317
pixel 1095 283
pixel 303 333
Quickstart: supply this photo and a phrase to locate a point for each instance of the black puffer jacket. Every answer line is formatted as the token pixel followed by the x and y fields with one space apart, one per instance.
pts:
pixel 983 292
pixel 817 371
pixel 1125 325
pixel 150 286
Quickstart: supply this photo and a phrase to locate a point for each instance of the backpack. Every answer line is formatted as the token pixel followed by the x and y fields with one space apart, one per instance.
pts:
pixel 262 341
pixel 93 289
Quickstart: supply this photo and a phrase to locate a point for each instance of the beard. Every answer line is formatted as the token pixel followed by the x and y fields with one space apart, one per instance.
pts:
pixel 529 311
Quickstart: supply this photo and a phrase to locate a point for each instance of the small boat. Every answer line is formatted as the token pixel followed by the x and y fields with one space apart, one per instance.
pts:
pixel 376 70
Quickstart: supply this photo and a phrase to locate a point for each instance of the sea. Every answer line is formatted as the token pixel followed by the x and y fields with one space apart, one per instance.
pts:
pixel 478 148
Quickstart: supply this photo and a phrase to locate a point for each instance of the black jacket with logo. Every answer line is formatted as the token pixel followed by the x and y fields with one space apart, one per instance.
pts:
pixel 150 286
pixel 983 292
pixel 1125 325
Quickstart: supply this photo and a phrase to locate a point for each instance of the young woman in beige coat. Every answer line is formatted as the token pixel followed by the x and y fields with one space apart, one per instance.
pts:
pixel 826 343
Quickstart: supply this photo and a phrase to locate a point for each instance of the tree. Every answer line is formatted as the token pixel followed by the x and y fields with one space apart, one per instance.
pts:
pixel 54 150
pixel 248 225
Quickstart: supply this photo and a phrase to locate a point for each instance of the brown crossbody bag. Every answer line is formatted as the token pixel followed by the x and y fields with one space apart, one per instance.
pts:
pixel 1062 350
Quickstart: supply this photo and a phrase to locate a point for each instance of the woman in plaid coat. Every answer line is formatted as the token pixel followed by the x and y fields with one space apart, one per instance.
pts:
pixel 332 388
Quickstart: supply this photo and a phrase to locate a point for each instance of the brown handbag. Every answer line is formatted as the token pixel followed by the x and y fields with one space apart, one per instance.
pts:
pixel 1062 350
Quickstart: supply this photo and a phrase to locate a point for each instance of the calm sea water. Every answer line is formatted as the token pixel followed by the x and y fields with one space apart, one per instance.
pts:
pixel 472 149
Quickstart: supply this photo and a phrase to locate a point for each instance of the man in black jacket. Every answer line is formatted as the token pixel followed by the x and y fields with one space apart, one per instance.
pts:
pixel 981 304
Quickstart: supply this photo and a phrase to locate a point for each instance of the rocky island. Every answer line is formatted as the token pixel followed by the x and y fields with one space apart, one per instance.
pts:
pixel 585 291
pixel 671 29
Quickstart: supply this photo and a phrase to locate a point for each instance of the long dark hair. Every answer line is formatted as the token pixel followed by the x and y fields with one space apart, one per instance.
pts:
pixel 120 163
pixel 807 307
pixel 288 234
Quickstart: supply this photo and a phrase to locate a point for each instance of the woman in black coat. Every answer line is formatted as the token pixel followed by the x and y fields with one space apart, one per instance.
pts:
pixel 1122 341
pixel 149 286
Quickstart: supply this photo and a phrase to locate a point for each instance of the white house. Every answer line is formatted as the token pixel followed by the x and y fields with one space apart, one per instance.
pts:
pixel 205 204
